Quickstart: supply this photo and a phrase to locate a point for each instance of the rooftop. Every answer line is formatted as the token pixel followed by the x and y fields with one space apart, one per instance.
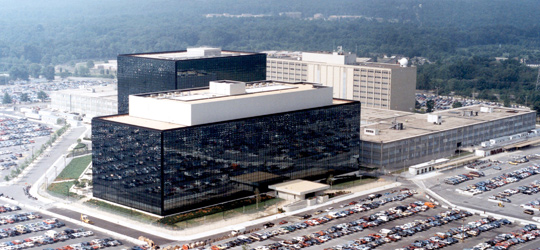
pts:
pixel 299 187
pixel 326 57
pixel 106 92
pixel 191 53
pixel 224 101
pixel 415 124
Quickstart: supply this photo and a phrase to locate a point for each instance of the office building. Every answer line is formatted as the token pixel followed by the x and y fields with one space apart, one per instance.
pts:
pixel 185 149
pixel 393 140
pixel 194 67
pixel 87 101
pixel 375 85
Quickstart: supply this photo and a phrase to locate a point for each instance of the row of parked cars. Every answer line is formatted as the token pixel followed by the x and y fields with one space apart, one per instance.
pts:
pixel 398 232
pixel 359 206
pixel 14 218
pixel 49 237
pixel 506 240
pixel 454 180
pixel 502 180
pixel 454 235
pixel 350 227
pixel 90 245
pixel 28 228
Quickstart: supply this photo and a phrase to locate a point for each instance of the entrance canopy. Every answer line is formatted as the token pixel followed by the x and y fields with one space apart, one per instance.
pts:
pixel 298 189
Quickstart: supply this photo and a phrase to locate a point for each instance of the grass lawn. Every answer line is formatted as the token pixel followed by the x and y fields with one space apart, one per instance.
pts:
pixel 121 210
pixel 75 168
pixel 61 188
pixel 252 208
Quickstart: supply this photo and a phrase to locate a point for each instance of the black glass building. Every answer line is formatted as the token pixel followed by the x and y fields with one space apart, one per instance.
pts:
pixel 169 170
pixel 160 71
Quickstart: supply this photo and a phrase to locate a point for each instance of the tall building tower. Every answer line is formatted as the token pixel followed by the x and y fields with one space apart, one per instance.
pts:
pixel 185 149
pixel 194 67
pixel 375 85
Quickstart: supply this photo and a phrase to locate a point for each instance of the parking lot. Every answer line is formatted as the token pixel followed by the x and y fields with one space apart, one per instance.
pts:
pixel 19 139
pixel 384 223
pixel 24 229
pixel 511 185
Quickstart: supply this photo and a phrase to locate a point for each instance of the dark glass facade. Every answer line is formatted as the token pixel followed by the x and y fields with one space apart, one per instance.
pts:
pixel 169 171
pixel 137 74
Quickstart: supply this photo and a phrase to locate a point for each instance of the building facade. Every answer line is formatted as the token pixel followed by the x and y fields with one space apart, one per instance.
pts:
pixel 194 67
pixel 387 145
pixel 163 167
pixel 375 85
pixel 90 102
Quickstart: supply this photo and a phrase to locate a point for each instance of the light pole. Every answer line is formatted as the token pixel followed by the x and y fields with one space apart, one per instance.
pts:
pixel 32 152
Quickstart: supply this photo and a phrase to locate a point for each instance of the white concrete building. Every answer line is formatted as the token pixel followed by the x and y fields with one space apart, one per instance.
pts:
pixel 89 102
pixel 375 85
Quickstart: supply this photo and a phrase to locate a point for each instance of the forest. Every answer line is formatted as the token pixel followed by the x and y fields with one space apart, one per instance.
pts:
pixel 460 37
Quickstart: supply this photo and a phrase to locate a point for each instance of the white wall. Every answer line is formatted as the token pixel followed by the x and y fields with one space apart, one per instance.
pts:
pixel 193 113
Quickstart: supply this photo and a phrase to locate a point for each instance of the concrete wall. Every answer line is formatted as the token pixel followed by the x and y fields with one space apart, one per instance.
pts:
pixel 403 88
pixel 410 151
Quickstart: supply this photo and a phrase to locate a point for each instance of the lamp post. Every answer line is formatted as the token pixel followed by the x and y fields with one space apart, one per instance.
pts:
pixel 32 152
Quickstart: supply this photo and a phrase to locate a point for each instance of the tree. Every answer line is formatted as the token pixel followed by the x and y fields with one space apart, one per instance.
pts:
pixel 18 72
pixel 90 64
pixel 42 95
pixel 48 72
pixel 7 99
pixel 82 71
pixel 457 105
pixel 34 70
pixel 430 104
pixel 24 97
pixel 330 180
pixel 417 105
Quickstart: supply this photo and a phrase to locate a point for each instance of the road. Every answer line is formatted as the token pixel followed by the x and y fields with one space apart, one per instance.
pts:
pixel 32 175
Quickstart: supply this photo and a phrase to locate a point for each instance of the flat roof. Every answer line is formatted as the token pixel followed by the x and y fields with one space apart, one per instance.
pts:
pixel 184 55
pixel 141 122
pixel 297 56
pixel 109 91
pixel 415 124
pixel 299 187
pixel 160 125
pixel 253 89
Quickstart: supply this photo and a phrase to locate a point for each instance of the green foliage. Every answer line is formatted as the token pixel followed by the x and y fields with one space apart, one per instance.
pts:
pixel 429 106
pixel 42 95
pixel 174 219
pixel 18 72
pixel 457 105
pixel 489 79
pixel 52 32
pixel 35 70
pixel 6 99
pixel 24 97
pixel 61 188
pixel 90 64
pixel 48 72
pixel 75 168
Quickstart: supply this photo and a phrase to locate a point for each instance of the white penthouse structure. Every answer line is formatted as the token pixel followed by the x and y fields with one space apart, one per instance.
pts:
pixel 375 85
